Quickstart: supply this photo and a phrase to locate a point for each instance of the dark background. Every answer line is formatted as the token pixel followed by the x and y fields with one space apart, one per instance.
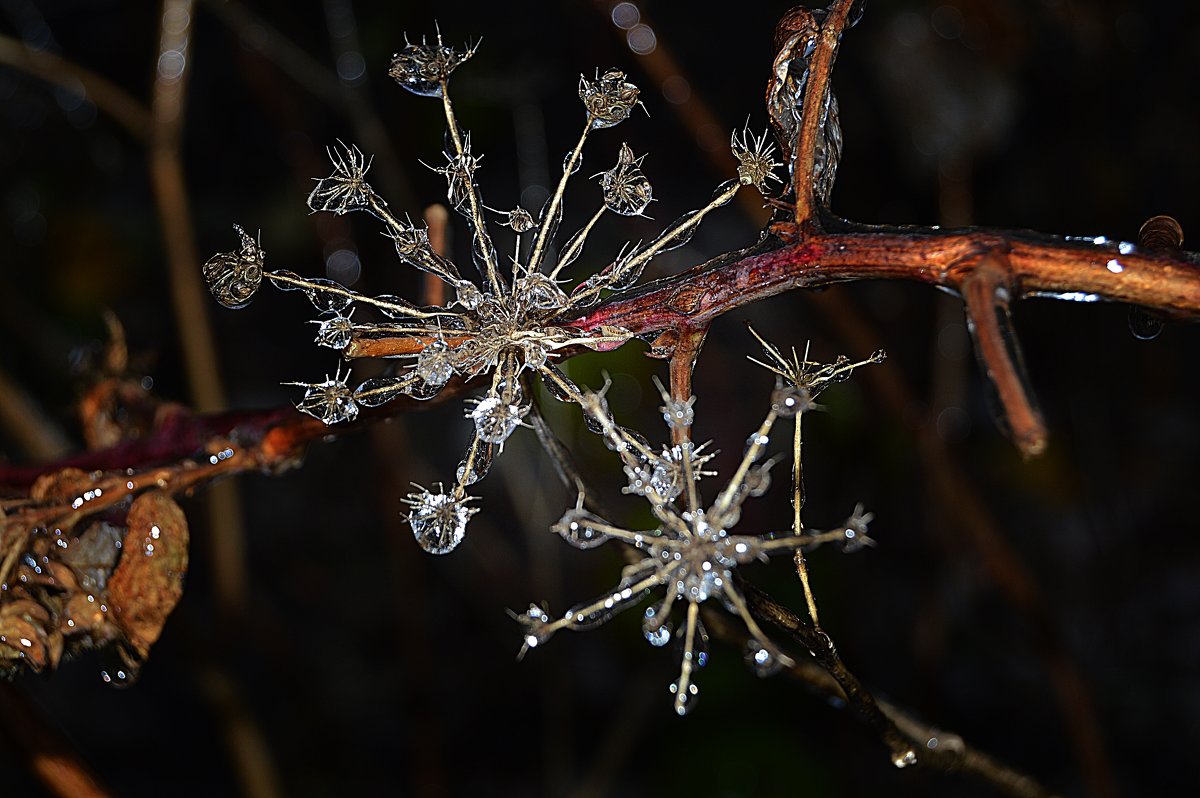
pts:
pixel 367 666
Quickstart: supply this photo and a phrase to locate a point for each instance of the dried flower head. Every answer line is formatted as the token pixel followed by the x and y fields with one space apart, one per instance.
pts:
pixel 332 401
pixel 347 188
pixel 626 189
pixel 609 99
pixel 234 277
pixel 424 69
pixel 690 552
pixel 756 161
pixel 438 520
pixel 511 322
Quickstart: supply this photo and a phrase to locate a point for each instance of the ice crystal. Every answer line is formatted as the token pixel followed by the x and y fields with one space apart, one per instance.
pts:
pixel 332 401
pixel 513 321
pixel 234 277
pixel 691 551
pixel 347 188
pixel 438 520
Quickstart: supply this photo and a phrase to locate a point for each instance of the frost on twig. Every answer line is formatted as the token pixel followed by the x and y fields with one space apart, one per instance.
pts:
pixel 509 324
pixel 691 551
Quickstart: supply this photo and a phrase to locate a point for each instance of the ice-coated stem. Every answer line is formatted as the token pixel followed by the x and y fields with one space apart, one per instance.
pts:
pixel 683 686
pixel 758 442
pixel 576 244
pixel 549 221
pixel 337 290
pixel 477 222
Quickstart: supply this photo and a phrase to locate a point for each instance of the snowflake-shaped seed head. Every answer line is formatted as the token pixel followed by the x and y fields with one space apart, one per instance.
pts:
pixel 626 189
pixel 435 363
pixel 332 401
pixel 519 220
pixel 438 520
pixel 424 69
pixel 234 277
pixel 756 161
pixel 495 419
pixel 678 413
pixel 335 332
pixel 609 99
pixel 346 189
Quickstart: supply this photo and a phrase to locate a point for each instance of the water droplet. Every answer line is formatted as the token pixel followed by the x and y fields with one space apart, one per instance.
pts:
pixel 1145 325
pixel 496 419
pixel 762 658
pixel 578 527
pixel 438 520
pixel 378 391
pixel 905 758
pixel 626 190
pixel 609 99
pixel 335 332
pixel 475 467
pixel 684 701
pixel 434 364
pixel 422 68
pixel 234 277
pixel 331 401
pixel 788 400
pixel 656 626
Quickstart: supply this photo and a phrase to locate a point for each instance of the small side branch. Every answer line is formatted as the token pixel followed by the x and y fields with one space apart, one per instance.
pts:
pixel 986 294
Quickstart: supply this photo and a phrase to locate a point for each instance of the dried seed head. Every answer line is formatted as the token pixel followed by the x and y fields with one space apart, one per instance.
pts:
pixel 538 291
pixel 626 189
pixel 438 520
pixel 756 163
pixel 424 69
pixel 609 99
pixel 519 219
pixel 495 419
pixel 331 401
pixel 335 332
pixel 234 277
pixel 435 364
pixel 346 189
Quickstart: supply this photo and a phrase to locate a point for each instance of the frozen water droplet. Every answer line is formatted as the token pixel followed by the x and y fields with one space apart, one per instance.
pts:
pixel 468 294
pixel 762 658
pixel 1144 325
pixel 685 701
pixel 423 68
pixel 438 520
pixel 540 292
pixel 496 419
pixel 578 527
pixel 331 401
pixel 380 390
pixel 346 189
pixel 626 190
pixel 328 295
pixel 788 400
pixel 434 364
pixel 609 99
pixel 656 626
pixel 234 277
pixel 394 307
pixel 335 333
pixel 679 414
pixel 473 469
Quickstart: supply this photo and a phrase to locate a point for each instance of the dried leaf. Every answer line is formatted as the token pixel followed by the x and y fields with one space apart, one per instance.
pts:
pixel 148 581
pixel 64 484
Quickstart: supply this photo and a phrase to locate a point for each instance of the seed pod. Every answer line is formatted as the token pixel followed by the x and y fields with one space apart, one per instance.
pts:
pixel 234 277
